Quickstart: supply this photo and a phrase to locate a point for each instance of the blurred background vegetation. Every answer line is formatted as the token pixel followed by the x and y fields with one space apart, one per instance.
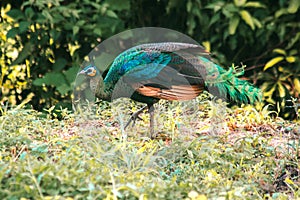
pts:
pixel 43 42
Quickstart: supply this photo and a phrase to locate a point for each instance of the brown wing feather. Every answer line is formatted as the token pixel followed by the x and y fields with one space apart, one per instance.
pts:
pixel 179 92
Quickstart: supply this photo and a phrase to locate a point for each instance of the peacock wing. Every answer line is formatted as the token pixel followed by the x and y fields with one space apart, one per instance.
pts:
pixel 172 71
pixel 165 78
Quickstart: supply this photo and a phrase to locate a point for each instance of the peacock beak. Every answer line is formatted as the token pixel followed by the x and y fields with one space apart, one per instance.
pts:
pixel 81 72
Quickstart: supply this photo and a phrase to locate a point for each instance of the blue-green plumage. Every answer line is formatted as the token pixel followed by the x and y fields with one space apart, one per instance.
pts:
pixel 171 71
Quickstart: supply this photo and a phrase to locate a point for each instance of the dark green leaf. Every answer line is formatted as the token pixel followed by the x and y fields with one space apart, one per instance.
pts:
pixel 64 89
pixel 54 34
pixel 71 74
pixel 68 26
pixel 23 26
pixel 214 19
pixel 16 14
pixel 54 78
pixel 293 40
pixel 51 79
pixel 75 30
pixel 116 5
pixel 59 64
pixel 38 82
pixel 47 15
pixel 41 18
pixel 97 31
pixel 57 18
pixel 111 14
pixel 231 8
pixel 29 13
pixel 81 23
pixel 26 51
pixel 216 6
pixel 12 32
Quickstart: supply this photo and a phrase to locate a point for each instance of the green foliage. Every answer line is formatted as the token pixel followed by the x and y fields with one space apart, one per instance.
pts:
pixel 48 40
pixel 81 157
pixel 45 40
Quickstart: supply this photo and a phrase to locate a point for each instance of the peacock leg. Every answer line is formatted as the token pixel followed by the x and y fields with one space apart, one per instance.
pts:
pixel 151 113
pixel 135 116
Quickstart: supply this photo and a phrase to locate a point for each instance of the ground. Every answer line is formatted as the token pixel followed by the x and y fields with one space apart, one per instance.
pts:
pixel 202 150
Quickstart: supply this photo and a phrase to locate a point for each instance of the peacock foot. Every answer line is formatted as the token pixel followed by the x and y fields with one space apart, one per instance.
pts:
pixel 135 116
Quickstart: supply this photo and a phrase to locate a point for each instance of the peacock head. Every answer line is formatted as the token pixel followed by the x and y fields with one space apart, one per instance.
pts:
pixel 90 71
pixel 93 75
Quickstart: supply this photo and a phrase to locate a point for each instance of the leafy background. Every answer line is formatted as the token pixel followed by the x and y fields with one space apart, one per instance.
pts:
pixel 211 152
pixel 43 42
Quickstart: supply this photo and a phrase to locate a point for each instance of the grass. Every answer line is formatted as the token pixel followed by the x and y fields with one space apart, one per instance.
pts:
pixel 203 151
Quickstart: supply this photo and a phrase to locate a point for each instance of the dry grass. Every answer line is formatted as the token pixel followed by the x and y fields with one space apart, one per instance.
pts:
pixel 202 150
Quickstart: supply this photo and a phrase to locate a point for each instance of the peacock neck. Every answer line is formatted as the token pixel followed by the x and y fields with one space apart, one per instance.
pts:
pixel 100 89
pixel 104 92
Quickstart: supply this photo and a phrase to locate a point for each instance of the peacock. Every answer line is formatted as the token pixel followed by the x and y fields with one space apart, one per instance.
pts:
pixel 169 70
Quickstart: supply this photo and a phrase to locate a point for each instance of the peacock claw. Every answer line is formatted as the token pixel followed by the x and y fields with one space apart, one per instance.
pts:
pixel 135 116
pixel 133 119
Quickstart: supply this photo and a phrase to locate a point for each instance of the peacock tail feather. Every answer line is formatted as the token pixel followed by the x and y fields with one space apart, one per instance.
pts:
pixel 238 90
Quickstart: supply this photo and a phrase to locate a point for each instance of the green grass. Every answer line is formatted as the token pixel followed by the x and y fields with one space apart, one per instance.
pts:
pixel 203 151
